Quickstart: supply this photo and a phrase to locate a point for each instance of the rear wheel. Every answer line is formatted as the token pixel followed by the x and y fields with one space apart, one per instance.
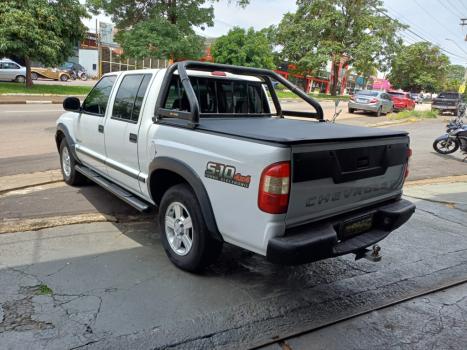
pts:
pixel 351 110
pixel 20 79
pixel 378 113
pixel 34 76
pixel 63 77
pixel 67 163
pixel 185 237
pixel 445 146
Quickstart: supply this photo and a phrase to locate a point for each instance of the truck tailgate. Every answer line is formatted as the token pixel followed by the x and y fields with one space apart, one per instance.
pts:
pixel 331 178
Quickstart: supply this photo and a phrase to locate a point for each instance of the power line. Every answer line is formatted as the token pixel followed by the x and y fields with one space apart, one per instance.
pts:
pixel 462 4
pixel 418 35
pixel 447 8
pixel 433 17
pixel 452 5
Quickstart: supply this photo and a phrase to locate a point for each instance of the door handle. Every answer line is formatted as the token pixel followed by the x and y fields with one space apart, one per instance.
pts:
pixel 100 128
pixel 133 138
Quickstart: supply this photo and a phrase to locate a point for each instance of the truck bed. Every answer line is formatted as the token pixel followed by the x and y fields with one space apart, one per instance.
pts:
pixel 290 131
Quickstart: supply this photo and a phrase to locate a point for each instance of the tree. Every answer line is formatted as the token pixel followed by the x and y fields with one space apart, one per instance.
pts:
pixel 454 77
pixel 355 31
pixel 159 28
pixel 420 66
pixel 41 30
pixel 242 47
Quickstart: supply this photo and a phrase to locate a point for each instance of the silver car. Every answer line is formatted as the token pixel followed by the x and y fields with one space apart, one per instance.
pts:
pixel 378 102
pixel 12 71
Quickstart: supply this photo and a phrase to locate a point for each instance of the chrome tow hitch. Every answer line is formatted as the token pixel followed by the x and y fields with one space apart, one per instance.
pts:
pixel 371 255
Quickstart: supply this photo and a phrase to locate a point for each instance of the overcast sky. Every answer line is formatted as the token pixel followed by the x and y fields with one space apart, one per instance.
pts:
pixel 434 20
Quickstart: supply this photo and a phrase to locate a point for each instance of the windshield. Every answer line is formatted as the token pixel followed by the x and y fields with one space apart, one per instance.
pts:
pixel 449 95
pixel 368 93
pixel 392 93
pixel 67 66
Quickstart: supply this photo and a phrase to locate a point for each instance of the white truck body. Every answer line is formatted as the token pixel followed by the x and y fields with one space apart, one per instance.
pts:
pixel 127 153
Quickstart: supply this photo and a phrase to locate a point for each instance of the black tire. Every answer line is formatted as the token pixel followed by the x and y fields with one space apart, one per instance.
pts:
pixel 439 146
pixel 204 249
pixel 34 76
pixel 71 177
pixel 378 113
pixel 351 110
pixel 63 77
pixel 20 79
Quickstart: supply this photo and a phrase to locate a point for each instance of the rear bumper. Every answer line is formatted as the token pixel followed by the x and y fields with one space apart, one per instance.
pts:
pixel 316 242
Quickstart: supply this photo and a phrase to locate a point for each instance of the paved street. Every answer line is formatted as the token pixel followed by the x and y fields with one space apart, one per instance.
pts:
pixel 78 267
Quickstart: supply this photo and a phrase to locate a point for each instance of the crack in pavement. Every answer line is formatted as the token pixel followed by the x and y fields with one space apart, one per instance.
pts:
pixel 441 217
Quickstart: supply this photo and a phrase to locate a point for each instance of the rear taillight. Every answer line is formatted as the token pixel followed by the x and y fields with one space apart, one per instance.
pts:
pixel 409 154
pixel 274 188
pixel 373 100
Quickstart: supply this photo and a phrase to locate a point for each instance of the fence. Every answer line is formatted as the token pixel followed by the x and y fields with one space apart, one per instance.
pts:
pixel 111 61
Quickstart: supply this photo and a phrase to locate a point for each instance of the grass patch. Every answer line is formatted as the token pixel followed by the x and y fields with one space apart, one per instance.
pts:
pixel 44 289
pixel 290 94
pixel 413 115
pixel 20 88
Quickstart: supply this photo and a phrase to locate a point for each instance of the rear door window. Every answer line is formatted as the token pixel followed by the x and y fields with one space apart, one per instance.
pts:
pixel 129 98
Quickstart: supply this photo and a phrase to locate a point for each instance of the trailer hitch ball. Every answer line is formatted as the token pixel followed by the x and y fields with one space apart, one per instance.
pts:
pixel 371 255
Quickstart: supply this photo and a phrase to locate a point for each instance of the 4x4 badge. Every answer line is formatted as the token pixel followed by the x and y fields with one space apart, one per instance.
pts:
pixel 227 174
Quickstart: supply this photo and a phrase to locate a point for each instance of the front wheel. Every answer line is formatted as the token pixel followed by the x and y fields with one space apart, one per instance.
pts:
pixel 445 145
pixel 351 110
pixel 67 164
pixel 84 77
pixel 185 237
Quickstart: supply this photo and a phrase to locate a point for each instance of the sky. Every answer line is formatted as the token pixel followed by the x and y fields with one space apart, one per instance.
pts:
pixel 433 20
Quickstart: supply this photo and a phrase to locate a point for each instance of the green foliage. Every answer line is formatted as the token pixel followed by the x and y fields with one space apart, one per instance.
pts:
pixel 414 115
pixel 454 77
pixel 41 30
pixel 420 66
pixel 244 48
pixel 323 30
pixel 159 28
pixel 18 88
pixel 44 289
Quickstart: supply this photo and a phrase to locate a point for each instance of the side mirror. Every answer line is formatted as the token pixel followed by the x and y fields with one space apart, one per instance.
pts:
pixel 72 104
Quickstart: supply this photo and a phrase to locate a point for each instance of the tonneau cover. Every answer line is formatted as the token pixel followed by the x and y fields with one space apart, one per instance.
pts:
pixel 290 131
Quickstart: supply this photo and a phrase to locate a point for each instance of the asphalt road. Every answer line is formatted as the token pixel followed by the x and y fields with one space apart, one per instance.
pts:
pixel 27 141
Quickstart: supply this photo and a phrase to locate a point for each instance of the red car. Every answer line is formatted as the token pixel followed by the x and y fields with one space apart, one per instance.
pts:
pixel 402 100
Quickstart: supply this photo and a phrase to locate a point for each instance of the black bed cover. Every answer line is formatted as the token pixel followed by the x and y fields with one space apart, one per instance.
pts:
pixel 290 131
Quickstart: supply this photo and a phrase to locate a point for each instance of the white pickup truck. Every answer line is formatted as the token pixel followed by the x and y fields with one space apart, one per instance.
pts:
pixel 209 146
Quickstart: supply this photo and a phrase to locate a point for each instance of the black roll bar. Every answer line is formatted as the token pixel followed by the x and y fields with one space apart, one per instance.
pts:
pixel 194 114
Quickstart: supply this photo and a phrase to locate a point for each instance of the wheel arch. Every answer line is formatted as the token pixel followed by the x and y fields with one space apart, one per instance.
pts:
pixel 63 133
pixel 167 172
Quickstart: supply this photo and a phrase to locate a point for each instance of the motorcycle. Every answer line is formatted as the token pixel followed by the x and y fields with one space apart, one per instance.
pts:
pixel 455 138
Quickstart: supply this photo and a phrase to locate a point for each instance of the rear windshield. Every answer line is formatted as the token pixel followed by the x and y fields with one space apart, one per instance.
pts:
pixel 217 96
pixel 368 93
pixel 396 93
pixel 449 95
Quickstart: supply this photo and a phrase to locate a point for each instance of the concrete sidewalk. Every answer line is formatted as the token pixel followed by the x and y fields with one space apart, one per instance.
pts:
pixel 109 285
pixel 34 99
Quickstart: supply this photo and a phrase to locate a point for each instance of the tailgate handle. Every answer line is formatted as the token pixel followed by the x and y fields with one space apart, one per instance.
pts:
pixel 363 170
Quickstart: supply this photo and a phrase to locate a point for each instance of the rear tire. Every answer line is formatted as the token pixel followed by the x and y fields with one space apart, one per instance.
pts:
pixel 63 77
pixel 67 164
pixel 20 79
pixel 378 113
pixel 184 234
pixel 351 110
pixel 34 76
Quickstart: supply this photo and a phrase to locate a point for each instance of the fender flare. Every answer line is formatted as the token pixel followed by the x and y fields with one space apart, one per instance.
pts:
pixel 69 140
pixel 192 178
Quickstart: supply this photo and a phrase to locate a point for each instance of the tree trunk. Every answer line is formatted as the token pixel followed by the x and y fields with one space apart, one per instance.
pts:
pixel 335 78
pixel 27 63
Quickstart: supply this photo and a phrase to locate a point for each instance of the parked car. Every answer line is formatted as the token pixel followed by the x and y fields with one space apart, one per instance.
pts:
pixel 378 102
pixel 202 143
pixel 416 97
pixel 402 100
pixel 12 71
pixel 448 102
pixel 49 73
